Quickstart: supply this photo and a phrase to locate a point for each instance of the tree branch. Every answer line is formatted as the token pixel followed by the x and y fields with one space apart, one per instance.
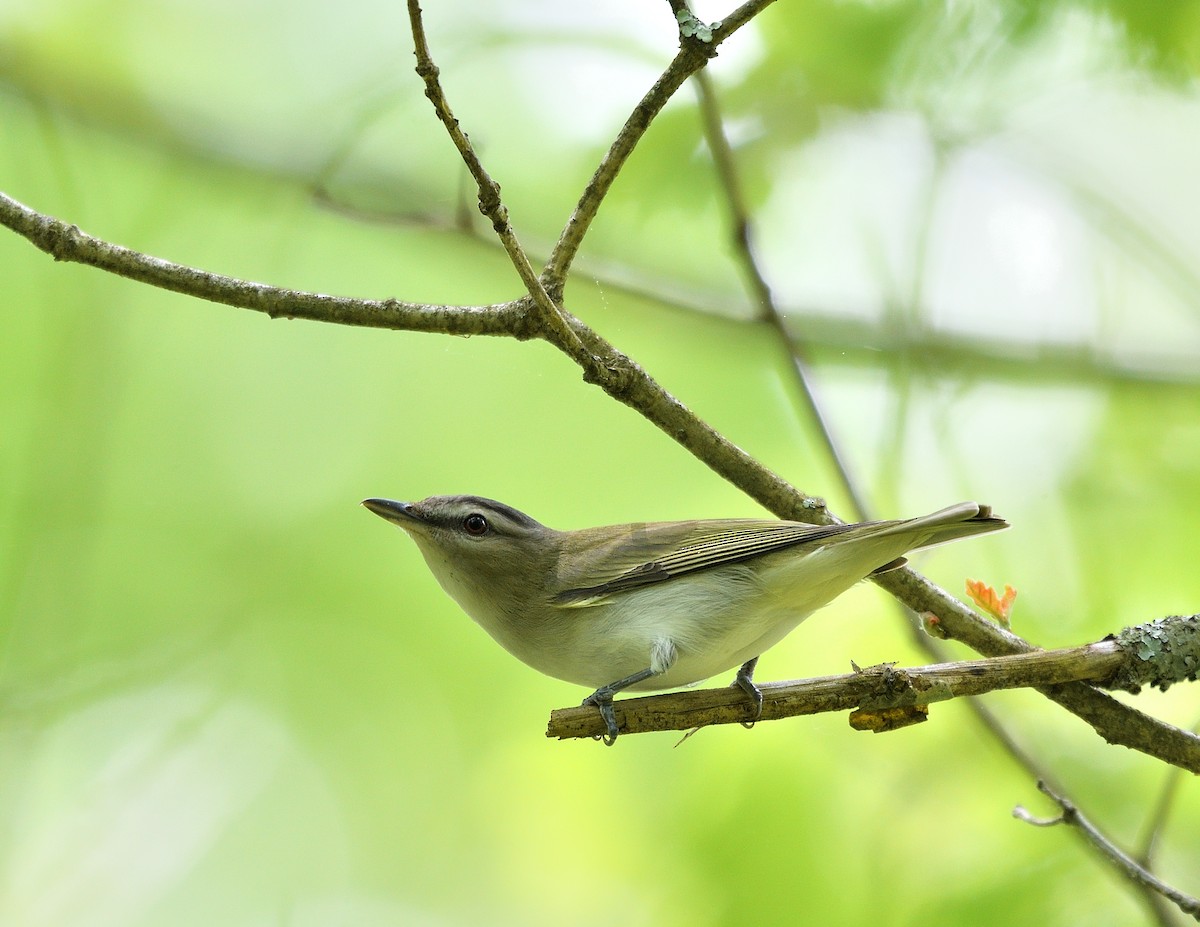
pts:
pixel 554 323
pixel 742 235
pixel 875 688
pixel 1114 721
pixel 1128 866
pixel 602 364
pixel 694 53
pixel 65 242
pixel 1122 662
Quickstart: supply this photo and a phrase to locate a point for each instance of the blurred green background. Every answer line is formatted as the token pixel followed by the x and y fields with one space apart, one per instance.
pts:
pixel 230 695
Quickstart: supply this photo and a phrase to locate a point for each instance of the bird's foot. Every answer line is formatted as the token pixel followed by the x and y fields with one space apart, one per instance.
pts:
pixel 602 698
pixel 745 681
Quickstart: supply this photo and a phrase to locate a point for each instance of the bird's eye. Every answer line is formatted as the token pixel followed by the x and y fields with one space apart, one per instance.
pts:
pixel 475 525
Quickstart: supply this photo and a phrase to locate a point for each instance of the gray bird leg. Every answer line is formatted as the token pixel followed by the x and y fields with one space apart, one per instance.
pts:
pixel 602 698
pixel 745 681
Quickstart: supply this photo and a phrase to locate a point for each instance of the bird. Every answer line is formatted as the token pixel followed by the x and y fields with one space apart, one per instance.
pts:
pixel 653 605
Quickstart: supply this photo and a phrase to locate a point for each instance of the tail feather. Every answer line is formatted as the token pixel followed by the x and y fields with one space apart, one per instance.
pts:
pixel 949 524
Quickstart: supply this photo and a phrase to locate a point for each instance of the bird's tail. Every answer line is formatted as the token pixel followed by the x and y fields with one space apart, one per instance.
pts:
pixel 963 520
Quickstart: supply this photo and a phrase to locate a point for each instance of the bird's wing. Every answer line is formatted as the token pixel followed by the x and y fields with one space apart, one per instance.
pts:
pixel 643 554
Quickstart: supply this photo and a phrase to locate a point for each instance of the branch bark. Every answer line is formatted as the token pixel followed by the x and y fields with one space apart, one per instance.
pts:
pixel 1121 662
pixel 66 242
pixel 875 688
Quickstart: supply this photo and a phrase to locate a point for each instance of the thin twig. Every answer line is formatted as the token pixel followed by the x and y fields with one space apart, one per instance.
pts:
pixel 602 364
pixel 768 311
pixel 1128 866
pixel 557 328
pixel 613 371
pixel 1158 817
pixel 1099 711
pixel 1152 830
pixel 743 248
pixel 692 56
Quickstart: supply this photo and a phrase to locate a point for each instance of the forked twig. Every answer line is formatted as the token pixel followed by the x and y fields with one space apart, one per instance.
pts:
pixel 1118 857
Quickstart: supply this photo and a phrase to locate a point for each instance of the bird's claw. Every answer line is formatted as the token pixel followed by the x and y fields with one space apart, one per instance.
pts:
pixel 745 681
pixel 602 699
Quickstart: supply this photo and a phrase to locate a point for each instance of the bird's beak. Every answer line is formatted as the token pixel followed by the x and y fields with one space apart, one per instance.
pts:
pixel 398 513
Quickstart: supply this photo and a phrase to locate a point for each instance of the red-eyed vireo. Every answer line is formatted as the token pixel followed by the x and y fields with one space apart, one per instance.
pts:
pixel 654 605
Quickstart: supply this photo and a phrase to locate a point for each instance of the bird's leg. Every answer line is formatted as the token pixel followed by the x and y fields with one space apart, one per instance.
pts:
pixel 745 681
pixel 662 657
pixel 602 698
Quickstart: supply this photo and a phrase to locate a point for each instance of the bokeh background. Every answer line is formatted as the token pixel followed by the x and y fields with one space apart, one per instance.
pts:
pixel 230 695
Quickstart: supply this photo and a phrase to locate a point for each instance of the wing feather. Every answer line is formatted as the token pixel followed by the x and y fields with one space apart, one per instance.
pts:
pixel 598 562
pixel 652 553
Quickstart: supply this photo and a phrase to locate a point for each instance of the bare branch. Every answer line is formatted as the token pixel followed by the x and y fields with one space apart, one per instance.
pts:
pixel 693 54
pixel 743 248
pixel 65 242
pixel 1152 830
pixel 602 364
pixel 1157 821
pixel 1128 866
pixel 742 241
pixel 555 324
pixel 1111 663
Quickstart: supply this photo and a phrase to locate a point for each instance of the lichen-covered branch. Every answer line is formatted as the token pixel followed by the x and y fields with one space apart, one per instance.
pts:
pixel 875 688
pixel 1114 663
pixel 1114 721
